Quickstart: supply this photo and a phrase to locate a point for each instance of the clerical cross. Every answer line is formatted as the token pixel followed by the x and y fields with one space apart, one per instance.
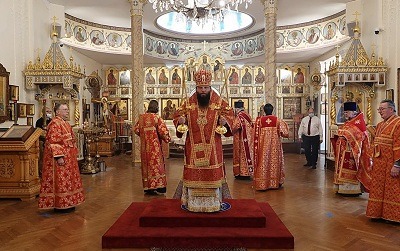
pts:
pixel 357 121
pixel 201 121
pixel 268 121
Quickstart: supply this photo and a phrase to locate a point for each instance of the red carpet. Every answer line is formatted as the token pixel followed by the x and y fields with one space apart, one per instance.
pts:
pixel 135 228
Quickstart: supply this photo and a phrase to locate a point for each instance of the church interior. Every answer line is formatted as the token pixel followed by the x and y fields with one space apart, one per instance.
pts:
pixel 106 60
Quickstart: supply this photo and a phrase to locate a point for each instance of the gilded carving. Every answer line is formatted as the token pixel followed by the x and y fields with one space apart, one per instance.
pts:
pixel 7 168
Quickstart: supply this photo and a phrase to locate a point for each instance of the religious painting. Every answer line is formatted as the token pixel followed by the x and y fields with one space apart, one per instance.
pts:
pixel 259 90
pixel 260 42
pixel 247 76
pixel 260 76
pixel 176 78
pixel 68 30
pixel 342 26
pixel 357 77
pixel 365 77
pixel 29 121
pixel 233 77
pixel 218 66
pixel 173 49
pixel 125 77
pixel 160 48
pixel 149 44
pixel 291 107
pixel 21 110
pixel 97 37
pixel 349 77
pixel 299 77
pixel 169 107
pixel 246 90
pixel 250 46
pixel 279 39
pixel 163 76
pixel 245 103
pixel 381 78
pixel 233 90
pixel 294 38
pixel 313 35
pixel 128 41
pixel 299 89
pixel 341 79
pixel 14 92
pixel 125 90
pixel 80 33
pixel 237 48
pixel 163 90
pixel 372 77
pixel 112 77
pixel 285 76
pixel 114 40
pixel 390 94
pixel 176 90
pixel 330 30
pixel 150 90
pixel 4 94
pixel 123 107
pixel 285 89
pixel 30 109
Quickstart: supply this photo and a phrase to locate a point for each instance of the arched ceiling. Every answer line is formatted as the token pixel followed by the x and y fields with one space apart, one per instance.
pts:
pixel 116 13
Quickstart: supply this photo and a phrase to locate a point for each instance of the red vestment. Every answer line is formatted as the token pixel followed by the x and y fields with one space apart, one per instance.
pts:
pixel 242 145
pixel 203 173
pixel 352 161
pixel 384 194
pixel 268 153
pixel 152 130
pixel 61 186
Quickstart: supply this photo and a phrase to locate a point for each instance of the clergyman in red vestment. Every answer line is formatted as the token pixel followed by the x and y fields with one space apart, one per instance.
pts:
pixel 152 130
pixel 268 159
pixel 204 174
pixel 61 184
pixel 242 143
pixel 352 159
pixel 384 194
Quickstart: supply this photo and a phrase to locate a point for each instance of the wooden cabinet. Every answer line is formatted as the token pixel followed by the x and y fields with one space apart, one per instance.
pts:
pixel 105 144
pixel 19 155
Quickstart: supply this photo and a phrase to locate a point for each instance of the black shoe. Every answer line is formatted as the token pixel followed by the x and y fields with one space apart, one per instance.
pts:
pixel 161 190
pixel 314 167
pixel 150 192
pixel 240 177
pixel 307 164
pixel 64 210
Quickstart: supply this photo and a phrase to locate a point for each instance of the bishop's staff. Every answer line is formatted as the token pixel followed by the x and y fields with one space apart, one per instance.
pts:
pixel 182 128
pixel 222 129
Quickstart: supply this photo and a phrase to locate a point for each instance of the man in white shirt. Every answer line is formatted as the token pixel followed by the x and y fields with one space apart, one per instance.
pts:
pixel 311 134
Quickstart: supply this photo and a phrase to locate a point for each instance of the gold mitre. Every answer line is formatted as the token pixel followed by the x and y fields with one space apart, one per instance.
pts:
pixel 203 78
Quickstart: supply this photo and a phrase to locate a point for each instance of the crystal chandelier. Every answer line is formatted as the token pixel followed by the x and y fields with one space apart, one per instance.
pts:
pixel 200 11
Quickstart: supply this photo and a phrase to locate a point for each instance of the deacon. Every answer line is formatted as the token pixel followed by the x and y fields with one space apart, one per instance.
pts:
pixel 242 143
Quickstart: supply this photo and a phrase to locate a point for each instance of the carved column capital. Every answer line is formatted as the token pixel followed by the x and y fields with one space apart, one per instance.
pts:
pixel 137 7
pixel 270 6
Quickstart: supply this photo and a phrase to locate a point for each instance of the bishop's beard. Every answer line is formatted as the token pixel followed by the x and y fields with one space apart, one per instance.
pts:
pixel 203 99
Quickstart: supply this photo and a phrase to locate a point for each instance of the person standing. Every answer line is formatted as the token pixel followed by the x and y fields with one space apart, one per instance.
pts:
pixel 242 130
pixel 384 194
pixel 352 161
pixel 61 185
pixel 206 115
pixel 268 159
pixel 311 134
pixel 152 130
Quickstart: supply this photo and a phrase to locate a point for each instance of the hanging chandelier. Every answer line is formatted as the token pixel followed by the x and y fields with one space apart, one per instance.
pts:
pixel 202 12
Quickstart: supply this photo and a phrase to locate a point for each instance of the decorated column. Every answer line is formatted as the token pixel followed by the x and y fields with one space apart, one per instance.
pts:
pixel 137 69
pixel 270 51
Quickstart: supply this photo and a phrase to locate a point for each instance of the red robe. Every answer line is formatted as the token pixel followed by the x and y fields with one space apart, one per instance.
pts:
pixel 268 153
pixel 384 194
pixel 352 161
pixel 61 186
pixel 242 145
pixel 203 166
pixel 152 130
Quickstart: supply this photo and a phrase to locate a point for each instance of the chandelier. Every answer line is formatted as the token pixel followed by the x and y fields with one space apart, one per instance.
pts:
pixel 200 11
